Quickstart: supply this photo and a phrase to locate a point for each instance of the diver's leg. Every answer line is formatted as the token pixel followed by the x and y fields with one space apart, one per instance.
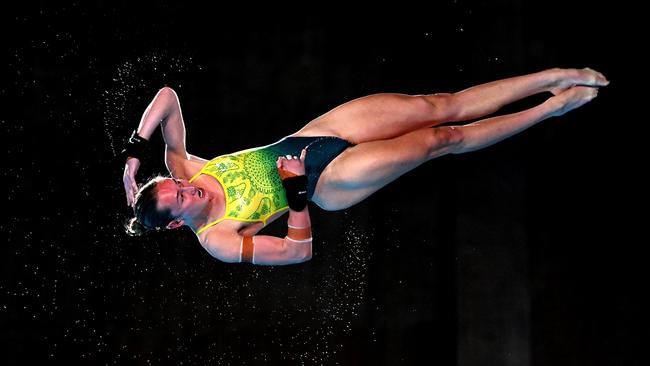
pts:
pixel 385 116
pixel 365 168
pixel 484 99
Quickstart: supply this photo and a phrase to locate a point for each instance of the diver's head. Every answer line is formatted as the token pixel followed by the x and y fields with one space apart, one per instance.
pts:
pixel 167 203
pixel 147 216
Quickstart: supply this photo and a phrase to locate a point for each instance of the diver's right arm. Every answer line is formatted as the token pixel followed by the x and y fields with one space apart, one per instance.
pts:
pixel 231 247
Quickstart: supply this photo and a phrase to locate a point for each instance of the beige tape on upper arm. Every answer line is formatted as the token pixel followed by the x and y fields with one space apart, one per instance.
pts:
pixel 247 249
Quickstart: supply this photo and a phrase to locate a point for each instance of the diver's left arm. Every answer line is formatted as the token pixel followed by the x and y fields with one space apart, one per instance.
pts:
pixel 165 110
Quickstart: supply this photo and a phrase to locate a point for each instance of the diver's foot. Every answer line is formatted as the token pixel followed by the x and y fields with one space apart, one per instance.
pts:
pixel 571 99
pixel 578 77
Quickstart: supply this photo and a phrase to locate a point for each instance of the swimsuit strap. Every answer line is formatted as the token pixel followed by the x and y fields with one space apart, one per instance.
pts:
pixel 213 222
pixel 197 174
pixel 210 225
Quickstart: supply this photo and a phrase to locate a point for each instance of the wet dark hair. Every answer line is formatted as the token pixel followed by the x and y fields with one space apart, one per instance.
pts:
pixel 147 216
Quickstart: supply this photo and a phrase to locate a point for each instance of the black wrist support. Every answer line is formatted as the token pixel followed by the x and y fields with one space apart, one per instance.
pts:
pixel 296 189
pixel 135 147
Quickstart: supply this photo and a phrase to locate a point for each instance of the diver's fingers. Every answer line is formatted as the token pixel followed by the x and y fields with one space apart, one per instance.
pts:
pixel 130 186
pixel 303 153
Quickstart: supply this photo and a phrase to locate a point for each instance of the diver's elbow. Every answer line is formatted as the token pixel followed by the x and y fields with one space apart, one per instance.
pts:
pixel 307 254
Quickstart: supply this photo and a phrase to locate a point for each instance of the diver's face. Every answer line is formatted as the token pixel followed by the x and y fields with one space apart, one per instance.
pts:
pixel 183 199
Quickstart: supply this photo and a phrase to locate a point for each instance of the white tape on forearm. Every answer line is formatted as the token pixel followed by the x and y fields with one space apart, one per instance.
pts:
pixel 298 227
pixel 308 240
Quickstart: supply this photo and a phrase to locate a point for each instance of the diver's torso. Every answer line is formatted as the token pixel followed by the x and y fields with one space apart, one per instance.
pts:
pixel 246 228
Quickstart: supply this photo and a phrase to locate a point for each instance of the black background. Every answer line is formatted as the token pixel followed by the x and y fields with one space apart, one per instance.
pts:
pixel 524 253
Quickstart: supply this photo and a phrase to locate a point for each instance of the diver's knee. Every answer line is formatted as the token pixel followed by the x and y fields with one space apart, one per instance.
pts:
pixel 323 204
pixel 327 204
pixel 443 140
pixel 443 105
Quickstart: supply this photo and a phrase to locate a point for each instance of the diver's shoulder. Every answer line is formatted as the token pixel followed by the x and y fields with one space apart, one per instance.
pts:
pixel 222 242
pixel 184 168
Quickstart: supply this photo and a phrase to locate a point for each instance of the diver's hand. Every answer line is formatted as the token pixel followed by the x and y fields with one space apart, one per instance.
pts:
pixel 289 166
pixel 130 186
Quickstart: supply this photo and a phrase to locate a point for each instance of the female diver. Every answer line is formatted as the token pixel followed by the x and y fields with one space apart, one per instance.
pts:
pixel 335 161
